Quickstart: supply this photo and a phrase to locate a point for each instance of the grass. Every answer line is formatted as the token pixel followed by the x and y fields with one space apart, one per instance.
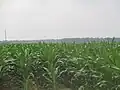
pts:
pixel 37 66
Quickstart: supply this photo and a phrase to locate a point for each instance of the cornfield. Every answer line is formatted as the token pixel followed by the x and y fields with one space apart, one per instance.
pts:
pixel 55 66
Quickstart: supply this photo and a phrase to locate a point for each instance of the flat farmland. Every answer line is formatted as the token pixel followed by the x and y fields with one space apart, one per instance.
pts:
pixel 60 66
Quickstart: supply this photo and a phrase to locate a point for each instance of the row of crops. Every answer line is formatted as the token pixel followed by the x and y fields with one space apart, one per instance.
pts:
pixel 43 66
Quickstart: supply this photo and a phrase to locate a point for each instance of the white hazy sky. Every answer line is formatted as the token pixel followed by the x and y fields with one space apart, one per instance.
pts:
pixel 40 19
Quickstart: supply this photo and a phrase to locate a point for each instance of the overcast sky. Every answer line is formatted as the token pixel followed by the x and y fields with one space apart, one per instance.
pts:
pixel 38 19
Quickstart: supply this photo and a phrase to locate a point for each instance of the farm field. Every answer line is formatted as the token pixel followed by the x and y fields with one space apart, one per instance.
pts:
pixel 56 66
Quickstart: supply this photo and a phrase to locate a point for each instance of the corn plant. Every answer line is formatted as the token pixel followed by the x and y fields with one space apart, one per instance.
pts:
pixel 52 66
